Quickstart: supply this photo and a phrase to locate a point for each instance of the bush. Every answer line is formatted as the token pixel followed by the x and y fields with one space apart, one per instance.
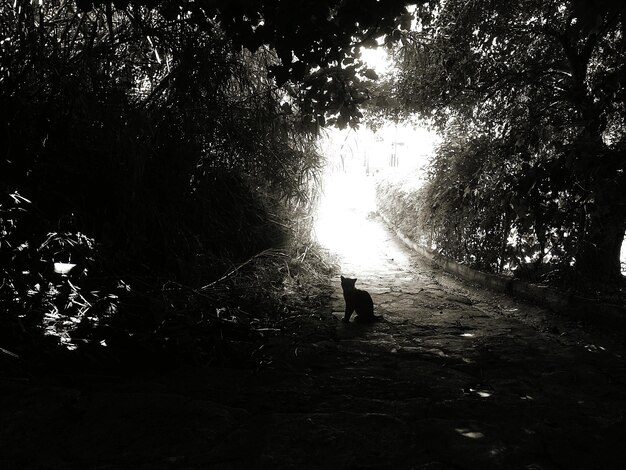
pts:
pixel 155 153
pixel 467 210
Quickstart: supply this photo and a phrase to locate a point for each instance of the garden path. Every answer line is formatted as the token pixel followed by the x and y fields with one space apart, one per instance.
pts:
pixel 462 378
pixel 453 377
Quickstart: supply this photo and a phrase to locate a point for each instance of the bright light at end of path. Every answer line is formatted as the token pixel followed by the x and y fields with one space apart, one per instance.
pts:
pixel 341 224
pixel 346 223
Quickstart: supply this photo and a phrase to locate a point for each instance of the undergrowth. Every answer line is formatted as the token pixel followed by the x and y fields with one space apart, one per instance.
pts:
pixel 457 231
pixel 67 305
pixel 155 325
pixel 153 206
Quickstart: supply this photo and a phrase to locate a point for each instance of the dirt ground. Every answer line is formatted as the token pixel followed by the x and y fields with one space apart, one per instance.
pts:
pixel 453 377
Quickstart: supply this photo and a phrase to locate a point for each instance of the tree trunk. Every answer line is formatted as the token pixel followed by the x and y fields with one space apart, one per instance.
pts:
pixel 599 257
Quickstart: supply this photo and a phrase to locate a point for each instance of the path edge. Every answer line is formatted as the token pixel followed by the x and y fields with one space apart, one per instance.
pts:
pixel 574 306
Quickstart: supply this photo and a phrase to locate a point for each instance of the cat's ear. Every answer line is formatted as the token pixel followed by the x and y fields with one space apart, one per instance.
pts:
pixel 342 278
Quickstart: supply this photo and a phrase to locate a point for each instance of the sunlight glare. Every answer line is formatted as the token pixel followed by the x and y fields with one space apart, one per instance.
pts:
pixel 342 219
pixel 470 434
pixel 346 221
pixel 377 58
pixel 63 268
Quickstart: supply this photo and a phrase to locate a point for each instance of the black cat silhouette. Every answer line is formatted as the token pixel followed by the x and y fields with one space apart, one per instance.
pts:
pixel 358 301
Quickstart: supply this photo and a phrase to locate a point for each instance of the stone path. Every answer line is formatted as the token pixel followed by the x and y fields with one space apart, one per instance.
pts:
pixel 454 377
pixel 475 379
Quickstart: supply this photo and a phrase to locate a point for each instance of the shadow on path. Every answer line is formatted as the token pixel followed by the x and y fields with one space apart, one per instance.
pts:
pixel 454 377
pixel 479 380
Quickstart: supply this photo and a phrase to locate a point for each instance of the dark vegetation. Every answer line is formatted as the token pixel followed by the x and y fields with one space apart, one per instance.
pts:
pixel 158 169
pixel 162 304
pixel 529 97
pixel 155 157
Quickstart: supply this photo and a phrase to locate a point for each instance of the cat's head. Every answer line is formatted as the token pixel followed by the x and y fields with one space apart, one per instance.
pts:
pixel 347 283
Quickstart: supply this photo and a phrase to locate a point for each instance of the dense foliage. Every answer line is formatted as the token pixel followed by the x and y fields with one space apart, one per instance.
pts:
pixel 530 98
pixel 317 43
pixel 140 147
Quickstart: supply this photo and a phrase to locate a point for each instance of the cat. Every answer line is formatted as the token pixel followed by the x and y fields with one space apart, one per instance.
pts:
pixel 357 300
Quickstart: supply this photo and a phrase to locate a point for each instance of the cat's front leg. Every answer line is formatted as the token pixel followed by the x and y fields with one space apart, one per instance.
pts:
pixel 348 314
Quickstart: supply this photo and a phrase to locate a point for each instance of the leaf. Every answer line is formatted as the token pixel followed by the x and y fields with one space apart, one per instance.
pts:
pixel 298 70
pixel 370 43
pixel 9 353
pixel 342 121
pixel 405 21
pixel 371 74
